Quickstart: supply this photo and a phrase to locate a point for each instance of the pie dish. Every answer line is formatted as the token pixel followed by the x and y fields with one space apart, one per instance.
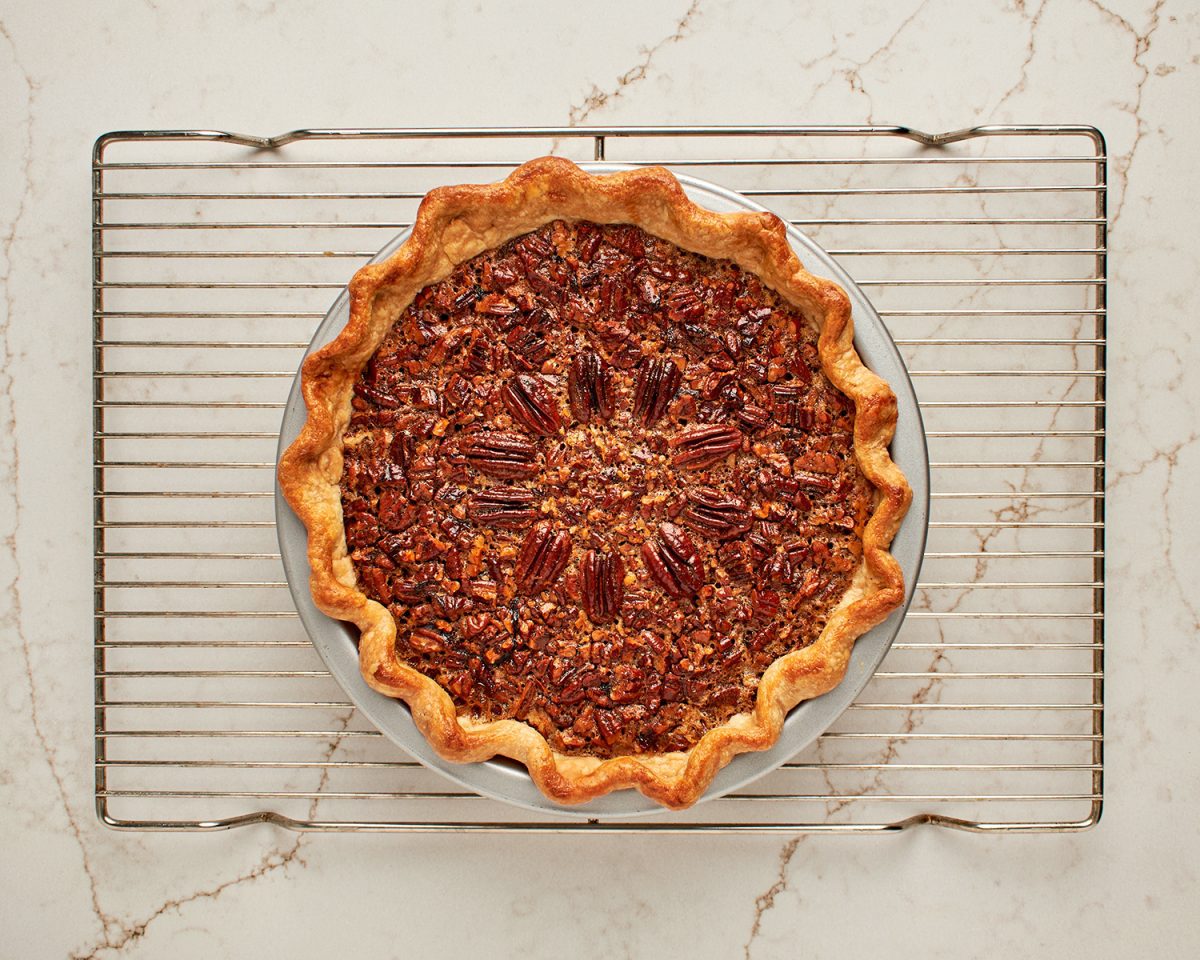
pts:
pixel 600 478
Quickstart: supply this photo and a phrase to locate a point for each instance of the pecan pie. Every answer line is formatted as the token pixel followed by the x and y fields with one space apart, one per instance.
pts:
pixel 601 479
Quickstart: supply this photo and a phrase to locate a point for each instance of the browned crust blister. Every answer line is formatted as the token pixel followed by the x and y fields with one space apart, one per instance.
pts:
pixel 459 222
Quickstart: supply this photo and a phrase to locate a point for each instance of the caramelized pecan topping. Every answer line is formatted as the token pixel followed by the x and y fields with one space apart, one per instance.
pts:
pixel 481 356
pixel 503 553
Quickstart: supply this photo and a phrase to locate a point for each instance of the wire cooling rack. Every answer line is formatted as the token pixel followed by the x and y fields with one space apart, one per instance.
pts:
pixel 215 255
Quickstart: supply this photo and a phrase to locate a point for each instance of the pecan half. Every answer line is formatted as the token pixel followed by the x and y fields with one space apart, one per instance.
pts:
pixel 543 556
pixel 739 560
pixel 515 560
pixel 509 508
pixel 814 481
pixel 428 639
pixel 501 454
pixel 496 305
pixel 648 290
pixel 381 395
pixel 481 355
pixel 456 393
pixel 482 590
pixel 628 238
pixel 531 404
pixel 815 461
pixel 655 387
pixel 528 348
pixel 590 386
pixel 421 396
pixel 685 304
pixel 792 409
pixel 395 511
pixel 674 562
pixel 716 514
pixel 602 586
pixel 752 417
pixel 700 446
pixel 413 591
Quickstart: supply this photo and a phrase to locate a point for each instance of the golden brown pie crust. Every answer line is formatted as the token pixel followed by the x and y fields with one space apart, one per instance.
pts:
pixel 455 224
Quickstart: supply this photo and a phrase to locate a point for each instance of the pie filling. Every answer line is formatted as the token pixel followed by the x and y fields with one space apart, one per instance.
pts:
pixel 601 484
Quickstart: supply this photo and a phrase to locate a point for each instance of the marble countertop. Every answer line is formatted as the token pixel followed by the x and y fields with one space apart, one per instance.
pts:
pixel 71 887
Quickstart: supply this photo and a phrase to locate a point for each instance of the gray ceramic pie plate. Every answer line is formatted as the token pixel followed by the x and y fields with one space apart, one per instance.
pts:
pixel 501 779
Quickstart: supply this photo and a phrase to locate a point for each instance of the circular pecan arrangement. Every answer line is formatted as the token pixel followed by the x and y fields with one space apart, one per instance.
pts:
pixel 601 484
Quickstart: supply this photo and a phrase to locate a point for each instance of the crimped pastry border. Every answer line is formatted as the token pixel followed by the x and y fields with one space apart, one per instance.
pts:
pixel 456 223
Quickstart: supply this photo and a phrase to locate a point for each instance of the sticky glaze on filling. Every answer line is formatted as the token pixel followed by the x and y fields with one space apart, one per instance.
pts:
pixel 601 484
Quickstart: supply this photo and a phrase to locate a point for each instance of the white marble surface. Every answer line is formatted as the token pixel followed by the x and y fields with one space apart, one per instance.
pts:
pixel 68 887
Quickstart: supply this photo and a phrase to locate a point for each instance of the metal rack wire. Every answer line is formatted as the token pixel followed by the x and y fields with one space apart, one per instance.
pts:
pixel 215 255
